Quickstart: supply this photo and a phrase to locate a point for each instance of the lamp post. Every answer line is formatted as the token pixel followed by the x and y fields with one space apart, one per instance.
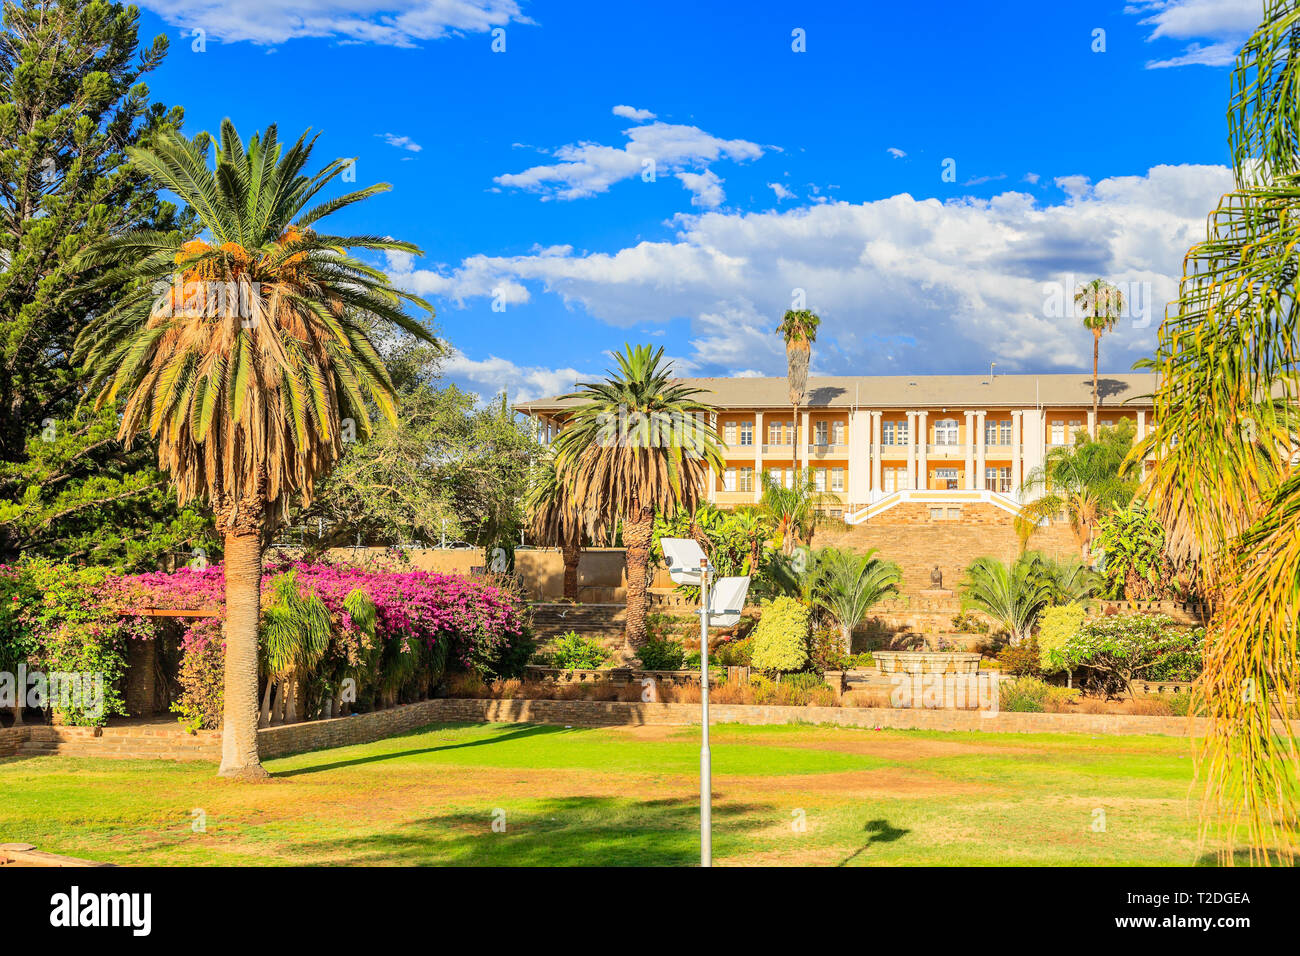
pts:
pixel 706 759
pixel 720 605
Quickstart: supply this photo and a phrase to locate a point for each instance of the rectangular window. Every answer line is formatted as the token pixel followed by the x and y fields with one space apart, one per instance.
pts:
pixel 954 514
pixel 774 475
pixel 1075 425
pixel 887 433
pixel 945 432
pixel 729 479
pixel 789 477
pixel 1006 432
pixel 729 433
pixel 990 433
pixel 1058 433
pixel 998 479
pixel 902 434
pixel 837 479
pixel 821 433
pixel 936 514
pixel 819 479
pixel 774 433
pixel 837 433
pixel 746 479
pixel 946 479
pixel 747 433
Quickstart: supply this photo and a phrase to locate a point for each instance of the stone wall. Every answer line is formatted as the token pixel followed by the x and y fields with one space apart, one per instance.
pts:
pixel 12 739
pixel 344 731
pixel 918 544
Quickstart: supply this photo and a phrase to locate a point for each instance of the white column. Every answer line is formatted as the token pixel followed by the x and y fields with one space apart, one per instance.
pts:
pixel 981 450
pixel 875 450
pixel 1092 424
pixel 805 439
pixel 713 477
pixel 1142 423
pixel 970 452
pixel 1016 456
pixel 911 450
pixel 758 456
pixel 922 453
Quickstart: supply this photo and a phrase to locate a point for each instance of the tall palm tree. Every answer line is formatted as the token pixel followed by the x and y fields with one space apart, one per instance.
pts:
pixel 1100 305
pixel 1225 482
pixel 556 520
pixel 848 585
pixel 799 327
pixel 639 444
pixel 1014 596
pixel 1085 481
pixel 242 353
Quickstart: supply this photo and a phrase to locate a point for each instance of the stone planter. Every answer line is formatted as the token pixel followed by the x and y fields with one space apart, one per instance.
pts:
pixel 927 662
pixel 836 680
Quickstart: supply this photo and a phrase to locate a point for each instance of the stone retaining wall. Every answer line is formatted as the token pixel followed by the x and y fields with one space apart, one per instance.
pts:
pixel 12 739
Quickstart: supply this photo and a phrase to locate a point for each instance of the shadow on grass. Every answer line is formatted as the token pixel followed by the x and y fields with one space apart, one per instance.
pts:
pixel 566 831
pixel 1242 858
pixel 515 734
pixel 881 832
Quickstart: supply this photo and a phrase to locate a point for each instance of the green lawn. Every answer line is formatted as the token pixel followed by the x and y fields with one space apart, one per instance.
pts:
pixel 629 796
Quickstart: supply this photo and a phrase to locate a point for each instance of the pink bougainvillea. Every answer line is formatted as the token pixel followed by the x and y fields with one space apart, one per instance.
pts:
pixel 478 618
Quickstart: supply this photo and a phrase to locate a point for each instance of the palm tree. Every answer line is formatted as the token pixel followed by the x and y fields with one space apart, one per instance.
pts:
pixel 800 330
pixel 555 520
pixel 243 353
pixel 1014 596
pixel 848 585
pixel 1069 581
pixel 1100 304
pixel 1225 483
pixel 639 444
pixel 793 510
pixel 1085 481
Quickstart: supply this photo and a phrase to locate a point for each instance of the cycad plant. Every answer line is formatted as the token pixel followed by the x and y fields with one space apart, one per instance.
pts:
pixel 1012 595
pixel 1225 483
pixel 244 353
pixel 639 443
pixel 848 585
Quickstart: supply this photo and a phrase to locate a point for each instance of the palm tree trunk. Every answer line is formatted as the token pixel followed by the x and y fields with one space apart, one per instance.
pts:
pixel 1096 350
pixel 846 632
pixel 638 529
pixel 572 555
pixel 243 615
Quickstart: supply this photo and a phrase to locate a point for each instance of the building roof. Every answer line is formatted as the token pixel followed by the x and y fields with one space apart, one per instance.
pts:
pixel 1072 389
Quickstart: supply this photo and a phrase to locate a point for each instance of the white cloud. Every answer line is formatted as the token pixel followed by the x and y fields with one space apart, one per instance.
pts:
pixel 895 152
pixel 705 187
pixel 401 142
pixel 402 23
pixel 901 284
pixel 632 113
pixel 522 383
pixel 586 169
pixel 1225 24
pixel 780 191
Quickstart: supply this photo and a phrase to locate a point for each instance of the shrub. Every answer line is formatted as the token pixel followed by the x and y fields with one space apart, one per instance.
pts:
pixel 1026 695
pixel 968 622
pixel 1056 627
pixel 1112 651
pixel 781 638
pixel 1022 659
pixel 731 653
pixel 826 650
pixel 573 652
pixel 662 654
pixel 859 661
pixel 201 676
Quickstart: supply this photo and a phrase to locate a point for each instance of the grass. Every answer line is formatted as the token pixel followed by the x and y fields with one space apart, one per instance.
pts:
pixel 628 796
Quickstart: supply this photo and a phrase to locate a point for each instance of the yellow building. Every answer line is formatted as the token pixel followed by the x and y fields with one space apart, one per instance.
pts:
pixel 941 444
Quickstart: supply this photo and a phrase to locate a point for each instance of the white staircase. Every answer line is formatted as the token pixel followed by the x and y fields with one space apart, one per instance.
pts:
pixel 884 501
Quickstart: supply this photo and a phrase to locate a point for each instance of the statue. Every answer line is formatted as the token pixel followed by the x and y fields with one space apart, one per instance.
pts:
pixel 936 579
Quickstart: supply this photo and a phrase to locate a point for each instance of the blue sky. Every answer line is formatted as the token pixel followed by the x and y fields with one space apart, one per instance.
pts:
pixel 676 173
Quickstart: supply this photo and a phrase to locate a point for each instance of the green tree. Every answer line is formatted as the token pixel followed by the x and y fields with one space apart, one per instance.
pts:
pixel 637 445
pixel 71 103
pixel 792 510
pixel 1133 544
pixel 243 356
pixel 780 640
pixel 1085 481
pixel 1224 485
pixel 1100 305
pixel 799 329
pixel 848 585
pixel 1012 595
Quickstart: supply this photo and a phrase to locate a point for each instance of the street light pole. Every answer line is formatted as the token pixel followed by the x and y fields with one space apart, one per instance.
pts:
pixel 706 761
